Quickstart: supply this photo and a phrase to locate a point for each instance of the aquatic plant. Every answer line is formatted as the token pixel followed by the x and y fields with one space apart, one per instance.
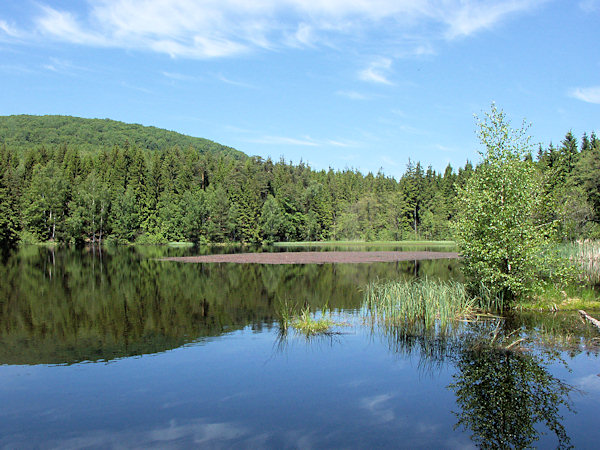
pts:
pixel 423 302
pixel 304 321
pixel 308 324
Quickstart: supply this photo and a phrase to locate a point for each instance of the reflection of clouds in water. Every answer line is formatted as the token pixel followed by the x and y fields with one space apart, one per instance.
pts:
pixel 201 432
pixel 427 427
pixel 460 444
pixel 416 433
pixel 299 440
pixel 356 383
pixel 376 405
pixel 590 383
pixel 176 434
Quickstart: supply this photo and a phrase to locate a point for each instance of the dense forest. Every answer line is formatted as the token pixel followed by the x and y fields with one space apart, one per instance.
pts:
pixel 62 185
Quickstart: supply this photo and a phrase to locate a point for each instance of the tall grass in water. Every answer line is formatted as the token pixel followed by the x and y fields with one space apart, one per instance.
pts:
pixel 586 256
pixel 418 303
pixel 303 320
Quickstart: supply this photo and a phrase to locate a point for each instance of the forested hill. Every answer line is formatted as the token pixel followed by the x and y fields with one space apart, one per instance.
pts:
pixel 25 131
pixel 123 193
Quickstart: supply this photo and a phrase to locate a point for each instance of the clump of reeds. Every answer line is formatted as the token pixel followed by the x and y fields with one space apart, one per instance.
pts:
pixel 422 302
pixel 586 256
pixel 303 320
pixel 309 324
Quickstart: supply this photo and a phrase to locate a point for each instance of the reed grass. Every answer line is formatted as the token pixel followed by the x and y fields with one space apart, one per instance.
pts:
pixel 586 256
pixel 420 303
pixel 303 321
pixel 308 324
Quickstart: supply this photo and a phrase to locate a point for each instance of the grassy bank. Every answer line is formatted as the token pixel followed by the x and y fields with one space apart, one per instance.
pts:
pixel 571 298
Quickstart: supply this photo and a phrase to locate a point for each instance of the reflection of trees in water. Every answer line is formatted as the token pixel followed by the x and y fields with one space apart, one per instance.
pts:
pixel 62 306
pixel 431 347
pixel 560 331
pixel 505 393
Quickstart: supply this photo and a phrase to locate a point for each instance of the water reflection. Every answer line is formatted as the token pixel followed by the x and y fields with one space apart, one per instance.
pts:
pixel 504 395
pixel 507 397
pixel 504 390
pixel 61 306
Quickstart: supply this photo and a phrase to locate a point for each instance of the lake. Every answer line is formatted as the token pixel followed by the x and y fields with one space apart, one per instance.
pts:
pixel 118 349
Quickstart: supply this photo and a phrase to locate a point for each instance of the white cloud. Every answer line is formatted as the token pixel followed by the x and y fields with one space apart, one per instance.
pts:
pixel 473 16
pixel 282 140
pixel 304 36
pixel 64 26
pixel 8 30
pixel 179 76
pixel 234 83
pixel 377 71
pixel 334 143
pixel 218 28
pixel 353 95
pixel 305 141
pixel 587 94
pixel 63 66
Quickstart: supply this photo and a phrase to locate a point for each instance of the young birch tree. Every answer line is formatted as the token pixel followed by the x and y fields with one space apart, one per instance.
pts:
pixel 497 235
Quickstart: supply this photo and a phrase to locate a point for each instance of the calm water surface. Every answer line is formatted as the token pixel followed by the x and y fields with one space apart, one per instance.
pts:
pixel 120 350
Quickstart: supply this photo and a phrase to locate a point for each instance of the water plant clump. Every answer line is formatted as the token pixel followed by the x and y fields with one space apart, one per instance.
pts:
pixel 303 321
pixel 423 302
pixel 308 324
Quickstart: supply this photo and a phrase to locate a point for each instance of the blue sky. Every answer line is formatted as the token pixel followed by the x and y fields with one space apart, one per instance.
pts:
pixel 364 84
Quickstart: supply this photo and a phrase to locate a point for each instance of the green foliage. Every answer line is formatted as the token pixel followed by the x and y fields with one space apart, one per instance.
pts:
pixel 273 220
pixel 24 131
pixel 498 236
pixel 9 211
pixel 83 181
pixel 9 231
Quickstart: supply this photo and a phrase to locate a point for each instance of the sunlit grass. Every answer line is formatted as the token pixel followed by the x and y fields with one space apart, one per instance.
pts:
pixel 571 298
pixel 180 244
pixel 304 321
pixel 308 324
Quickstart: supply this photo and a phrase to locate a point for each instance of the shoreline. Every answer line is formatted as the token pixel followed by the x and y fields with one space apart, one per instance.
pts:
pixel 332 257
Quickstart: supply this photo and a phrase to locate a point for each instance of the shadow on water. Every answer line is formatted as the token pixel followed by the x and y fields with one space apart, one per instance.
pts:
pixel 61 306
